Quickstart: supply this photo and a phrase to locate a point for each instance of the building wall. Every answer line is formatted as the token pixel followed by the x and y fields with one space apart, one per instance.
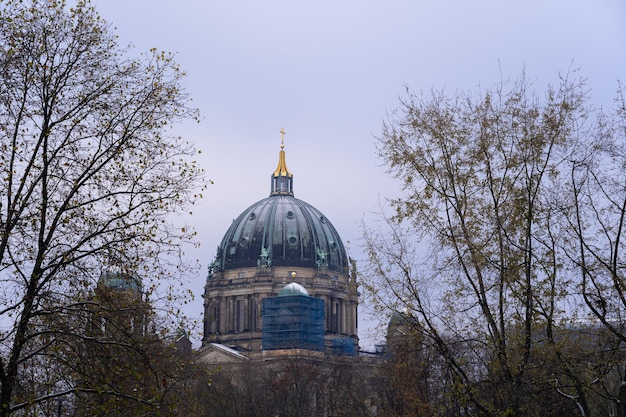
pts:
pixel 233 301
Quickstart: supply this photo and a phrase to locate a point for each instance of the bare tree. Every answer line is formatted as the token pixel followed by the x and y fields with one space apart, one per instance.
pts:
pixel 406 372
pixel 474 248
pixel 595 211
pixel 90 172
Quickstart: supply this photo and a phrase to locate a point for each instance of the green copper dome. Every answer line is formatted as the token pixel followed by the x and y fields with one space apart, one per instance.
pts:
pixel 117 279
pixel 293 289
pixel 281 230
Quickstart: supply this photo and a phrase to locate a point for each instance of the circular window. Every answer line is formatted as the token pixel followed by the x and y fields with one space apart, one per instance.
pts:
pixel 252 216
pixel 333 246
pixel 290 214
pixel 243 242
pixel 292 240
pixel 322 219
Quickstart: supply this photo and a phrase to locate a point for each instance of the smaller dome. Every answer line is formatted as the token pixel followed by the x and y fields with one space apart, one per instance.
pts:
pixel 293 289
pixel 119 280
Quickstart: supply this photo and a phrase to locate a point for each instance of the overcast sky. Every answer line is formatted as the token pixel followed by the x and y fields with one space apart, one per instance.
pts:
pixel 329 71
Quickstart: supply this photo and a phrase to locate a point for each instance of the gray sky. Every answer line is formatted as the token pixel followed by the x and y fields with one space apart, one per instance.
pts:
pixel 328 72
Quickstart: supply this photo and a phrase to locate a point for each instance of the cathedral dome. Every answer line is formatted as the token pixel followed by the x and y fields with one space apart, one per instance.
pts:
pixel 269 252
pixel 281 230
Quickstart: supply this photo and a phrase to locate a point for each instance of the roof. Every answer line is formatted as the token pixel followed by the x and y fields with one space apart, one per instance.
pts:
pixel 215 353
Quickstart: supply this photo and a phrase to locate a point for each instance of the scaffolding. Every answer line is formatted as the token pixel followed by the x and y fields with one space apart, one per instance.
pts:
pixel 293 322
pixel 343 346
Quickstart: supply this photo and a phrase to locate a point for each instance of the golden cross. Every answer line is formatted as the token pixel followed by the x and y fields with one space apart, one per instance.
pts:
pixel 282 137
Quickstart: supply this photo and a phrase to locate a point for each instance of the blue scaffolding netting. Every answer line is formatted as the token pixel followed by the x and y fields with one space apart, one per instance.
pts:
pixel 293 322
pixel 343 346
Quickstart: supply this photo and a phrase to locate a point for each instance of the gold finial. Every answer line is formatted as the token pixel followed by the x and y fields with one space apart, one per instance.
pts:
pixel 281 183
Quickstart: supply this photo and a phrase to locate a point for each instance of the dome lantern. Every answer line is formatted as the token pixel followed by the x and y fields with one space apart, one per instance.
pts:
pixel 282 179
